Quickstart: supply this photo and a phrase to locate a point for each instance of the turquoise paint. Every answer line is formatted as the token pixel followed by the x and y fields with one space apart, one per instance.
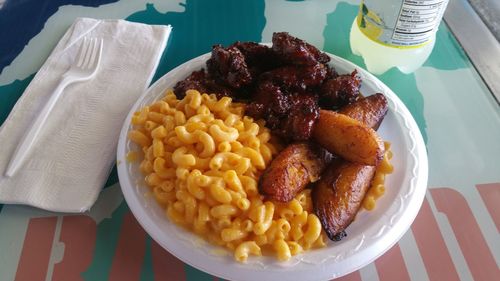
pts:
pixel 447 53
pixel 193 274
pixel 147 273
pixel 108 232
pixel 113 177
pixel 405 86
pixel 9 94
pixel 203 24
pixel 336 34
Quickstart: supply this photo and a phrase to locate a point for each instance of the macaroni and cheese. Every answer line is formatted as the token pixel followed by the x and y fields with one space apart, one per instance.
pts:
pixel 202 161
pixel 377 187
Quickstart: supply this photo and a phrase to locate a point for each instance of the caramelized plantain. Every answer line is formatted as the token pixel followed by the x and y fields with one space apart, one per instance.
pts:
pixel 369 111
pixel 348 138
pixel 296 166
pixel 338 195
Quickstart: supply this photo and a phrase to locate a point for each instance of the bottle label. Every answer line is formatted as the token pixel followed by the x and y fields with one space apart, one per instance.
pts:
pixel 400 23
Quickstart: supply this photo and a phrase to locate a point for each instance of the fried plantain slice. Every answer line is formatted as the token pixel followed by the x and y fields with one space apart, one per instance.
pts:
pixel 348 138
pixel 296 166
pixel 338 195
pixel 369 111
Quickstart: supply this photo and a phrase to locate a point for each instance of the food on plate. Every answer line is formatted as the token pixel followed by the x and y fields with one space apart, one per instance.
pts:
pixel 235 151
pixel 202 161
pixel 231 71
pixel 344 186
pixel 296 78
pixel 200 81
pixel 348 138
pixel 377 186
pixel 228 66
pixel 337 196
pixel 292 170
pixel 296 51
pixel 281 84
pixel 297 113
pixel 369 111
pixel 340 90
pixel 259 58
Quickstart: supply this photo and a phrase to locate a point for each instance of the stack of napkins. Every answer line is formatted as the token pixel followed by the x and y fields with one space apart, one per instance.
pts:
pixel 76 149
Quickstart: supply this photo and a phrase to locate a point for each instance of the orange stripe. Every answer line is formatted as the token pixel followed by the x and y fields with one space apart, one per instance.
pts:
pixel 166 266
pixel 37 248
pixel 432 248
pixel 391 265
pixel 474 248
pixel 130 251
pixel 491 197
pixel 78 233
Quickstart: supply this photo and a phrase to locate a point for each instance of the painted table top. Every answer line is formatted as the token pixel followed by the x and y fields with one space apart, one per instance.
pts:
pixel 454 237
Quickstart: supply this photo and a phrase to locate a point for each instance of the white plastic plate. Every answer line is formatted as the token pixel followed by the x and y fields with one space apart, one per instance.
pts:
pixel 368 237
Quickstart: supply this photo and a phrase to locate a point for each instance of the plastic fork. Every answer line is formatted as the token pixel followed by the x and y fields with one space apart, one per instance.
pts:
pixel 84 68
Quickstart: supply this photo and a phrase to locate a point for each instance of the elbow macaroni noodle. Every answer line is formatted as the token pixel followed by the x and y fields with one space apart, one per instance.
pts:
pixel 202 161
pixel 377 187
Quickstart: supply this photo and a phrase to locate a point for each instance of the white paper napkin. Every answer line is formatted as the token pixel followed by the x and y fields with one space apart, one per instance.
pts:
pixel 73 155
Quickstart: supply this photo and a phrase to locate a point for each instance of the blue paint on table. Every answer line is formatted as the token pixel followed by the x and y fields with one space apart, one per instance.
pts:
pixel 22 20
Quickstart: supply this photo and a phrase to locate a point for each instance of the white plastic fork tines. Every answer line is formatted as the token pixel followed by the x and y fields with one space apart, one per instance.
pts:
pixel 84 68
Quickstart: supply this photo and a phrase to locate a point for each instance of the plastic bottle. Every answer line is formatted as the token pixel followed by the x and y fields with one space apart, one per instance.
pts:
pixel 396 33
